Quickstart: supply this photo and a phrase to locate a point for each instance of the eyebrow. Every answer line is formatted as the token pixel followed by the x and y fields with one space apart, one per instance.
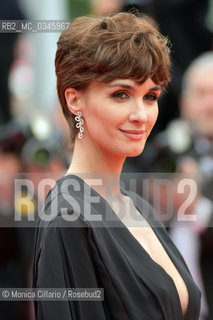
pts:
pixel 127 86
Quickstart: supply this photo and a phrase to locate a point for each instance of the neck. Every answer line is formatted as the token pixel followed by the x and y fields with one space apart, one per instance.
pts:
pixel 90 162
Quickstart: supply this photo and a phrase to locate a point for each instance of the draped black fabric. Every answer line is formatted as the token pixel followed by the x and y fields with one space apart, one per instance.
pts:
pixel 104 254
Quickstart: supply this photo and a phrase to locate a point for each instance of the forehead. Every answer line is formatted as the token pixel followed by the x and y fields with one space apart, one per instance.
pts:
pixel 132 82
pixel 128 83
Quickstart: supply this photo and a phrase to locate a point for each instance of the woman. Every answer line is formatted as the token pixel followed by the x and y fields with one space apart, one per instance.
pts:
pixel 110 73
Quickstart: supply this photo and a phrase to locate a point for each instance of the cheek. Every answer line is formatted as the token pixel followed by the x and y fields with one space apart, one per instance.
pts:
pixel 96 121
pixel 153 116
pixel 106 118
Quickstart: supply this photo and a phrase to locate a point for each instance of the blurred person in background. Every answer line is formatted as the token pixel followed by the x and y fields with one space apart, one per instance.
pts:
pixel 22 156
pixel 196 109
pixel 15 243
pixel 106 7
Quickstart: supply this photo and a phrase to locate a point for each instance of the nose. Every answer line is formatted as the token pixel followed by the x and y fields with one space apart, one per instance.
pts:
pixel 138 113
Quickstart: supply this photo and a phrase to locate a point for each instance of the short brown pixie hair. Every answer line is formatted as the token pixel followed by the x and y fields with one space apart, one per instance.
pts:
pixel 120 46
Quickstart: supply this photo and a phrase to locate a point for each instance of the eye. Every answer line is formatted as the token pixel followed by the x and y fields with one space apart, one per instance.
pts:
pixel 120 95
pixel 151 97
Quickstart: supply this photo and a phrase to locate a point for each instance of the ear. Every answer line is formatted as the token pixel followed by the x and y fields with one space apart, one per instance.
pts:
pixel 73 99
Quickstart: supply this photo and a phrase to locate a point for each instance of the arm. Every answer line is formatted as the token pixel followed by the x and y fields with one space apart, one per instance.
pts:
pixel 64 261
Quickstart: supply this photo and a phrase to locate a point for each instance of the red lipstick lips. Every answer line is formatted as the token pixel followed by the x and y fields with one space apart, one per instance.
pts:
pixel 133 134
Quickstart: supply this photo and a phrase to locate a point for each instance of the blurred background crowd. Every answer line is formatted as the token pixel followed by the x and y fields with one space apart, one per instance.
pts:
pixel 34 137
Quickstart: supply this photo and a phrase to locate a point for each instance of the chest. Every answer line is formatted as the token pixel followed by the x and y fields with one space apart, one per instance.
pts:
pixel 150 242
pixel 146 237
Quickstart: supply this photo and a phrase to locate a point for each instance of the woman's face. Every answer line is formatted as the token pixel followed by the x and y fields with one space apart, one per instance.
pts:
pixel 120 115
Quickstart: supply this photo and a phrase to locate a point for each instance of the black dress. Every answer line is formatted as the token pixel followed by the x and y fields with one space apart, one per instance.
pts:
pixel 104 254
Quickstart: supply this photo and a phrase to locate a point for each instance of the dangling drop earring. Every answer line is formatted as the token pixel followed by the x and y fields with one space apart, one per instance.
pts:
pixel 79 123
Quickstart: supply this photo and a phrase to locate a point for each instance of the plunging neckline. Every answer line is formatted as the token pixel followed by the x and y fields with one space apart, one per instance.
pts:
pixel 159 237
pixel 184 316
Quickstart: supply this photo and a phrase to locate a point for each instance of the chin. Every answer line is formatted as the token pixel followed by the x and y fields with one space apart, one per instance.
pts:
pixel 135 152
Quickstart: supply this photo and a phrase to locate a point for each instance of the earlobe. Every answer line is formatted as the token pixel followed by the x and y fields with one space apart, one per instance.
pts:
pixel 73 100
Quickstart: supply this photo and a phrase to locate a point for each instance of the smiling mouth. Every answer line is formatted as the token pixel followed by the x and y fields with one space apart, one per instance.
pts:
pixel 133 134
